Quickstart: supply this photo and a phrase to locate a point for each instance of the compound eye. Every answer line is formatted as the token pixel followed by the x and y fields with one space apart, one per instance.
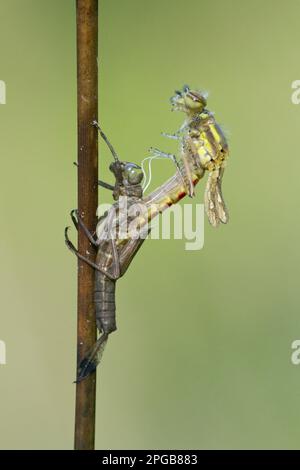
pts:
pixel 133 173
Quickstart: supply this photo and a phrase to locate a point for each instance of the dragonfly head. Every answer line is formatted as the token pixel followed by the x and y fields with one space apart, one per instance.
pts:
pixel 188 101
pixel 132 173
pixel 126 173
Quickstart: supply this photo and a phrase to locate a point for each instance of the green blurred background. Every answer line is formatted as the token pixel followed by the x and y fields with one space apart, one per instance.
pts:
pixel 201 358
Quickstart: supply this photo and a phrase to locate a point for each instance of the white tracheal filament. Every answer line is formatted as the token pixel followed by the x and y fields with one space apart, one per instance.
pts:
pixel 147 182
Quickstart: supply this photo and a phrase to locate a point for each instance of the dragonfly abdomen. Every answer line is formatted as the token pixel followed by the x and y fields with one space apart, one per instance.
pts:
pixel 105 303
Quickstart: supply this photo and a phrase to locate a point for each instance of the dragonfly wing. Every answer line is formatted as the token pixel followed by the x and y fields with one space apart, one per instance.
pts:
pixel 186 150
pixel 220 203
pixel 209 200
pixel 188 178
pixel 213 199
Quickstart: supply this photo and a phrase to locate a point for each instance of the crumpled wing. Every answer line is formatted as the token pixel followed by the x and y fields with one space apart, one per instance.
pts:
pixel 187 148
pixel 214 204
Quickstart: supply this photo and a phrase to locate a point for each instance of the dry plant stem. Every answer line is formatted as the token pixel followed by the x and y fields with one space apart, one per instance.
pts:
pixel 87 102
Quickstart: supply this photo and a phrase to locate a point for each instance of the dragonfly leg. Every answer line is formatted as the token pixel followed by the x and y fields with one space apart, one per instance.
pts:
pixel 171 136
pixel 106 185
pixel 177 134
pixel 159 153
pixel 109 145
pixel 83 258
pixel 77 220
pixel 74 220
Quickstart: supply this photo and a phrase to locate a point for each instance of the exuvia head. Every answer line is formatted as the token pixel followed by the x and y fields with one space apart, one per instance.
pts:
pixel 132 173
pixel 126 173
pixel 189 101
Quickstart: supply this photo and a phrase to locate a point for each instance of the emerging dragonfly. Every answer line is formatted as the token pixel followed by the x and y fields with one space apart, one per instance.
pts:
pixel 202 148
pixel 200 136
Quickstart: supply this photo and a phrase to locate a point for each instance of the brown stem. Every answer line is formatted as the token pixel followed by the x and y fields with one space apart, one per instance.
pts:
pixel 87 102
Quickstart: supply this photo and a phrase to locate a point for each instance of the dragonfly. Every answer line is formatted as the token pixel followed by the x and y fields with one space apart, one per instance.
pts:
pixel 201 136
pixel 116 246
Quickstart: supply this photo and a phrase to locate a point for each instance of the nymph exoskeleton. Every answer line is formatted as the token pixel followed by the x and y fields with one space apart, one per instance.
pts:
pixel 108 266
